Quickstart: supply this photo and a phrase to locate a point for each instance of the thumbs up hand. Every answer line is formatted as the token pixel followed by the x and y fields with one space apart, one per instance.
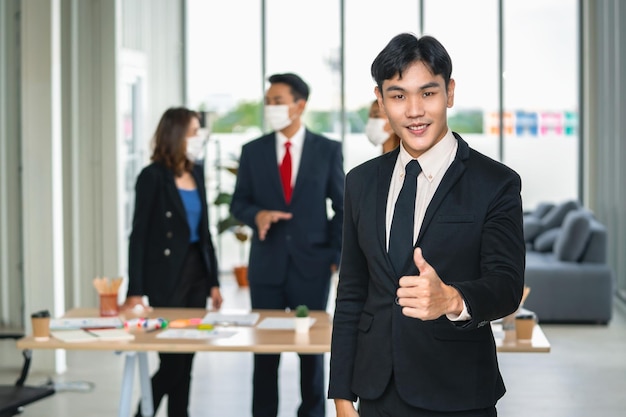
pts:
pixel 426 296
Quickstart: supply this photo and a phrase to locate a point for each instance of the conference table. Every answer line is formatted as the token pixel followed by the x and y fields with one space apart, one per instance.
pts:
pixel 250 338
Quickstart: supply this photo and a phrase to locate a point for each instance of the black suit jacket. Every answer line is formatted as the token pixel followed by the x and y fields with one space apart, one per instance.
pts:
pixel 310 238
pixel 160 236
pixel 472 236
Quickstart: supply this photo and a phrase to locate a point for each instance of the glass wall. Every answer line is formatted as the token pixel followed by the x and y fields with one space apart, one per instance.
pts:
pixel 541 95
pixel 368 28
pixel 303 38
pixel 470 35
pixel 332 43
pixel 225 80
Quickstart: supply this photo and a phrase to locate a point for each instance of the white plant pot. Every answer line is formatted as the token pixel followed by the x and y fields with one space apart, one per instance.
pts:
pixel 302 324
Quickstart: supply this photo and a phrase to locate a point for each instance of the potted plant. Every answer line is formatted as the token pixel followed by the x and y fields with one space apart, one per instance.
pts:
pixel 302 321
pixel 241 231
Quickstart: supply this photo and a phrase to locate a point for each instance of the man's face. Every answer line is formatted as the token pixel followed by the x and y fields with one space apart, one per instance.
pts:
pixel 416 107
pixel 280 94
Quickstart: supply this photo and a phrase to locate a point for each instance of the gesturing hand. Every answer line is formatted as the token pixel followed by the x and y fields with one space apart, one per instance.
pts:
pixel 265 218
pixel 426 296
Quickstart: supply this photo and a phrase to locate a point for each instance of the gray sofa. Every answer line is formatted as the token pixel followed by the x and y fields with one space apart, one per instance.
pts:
pixel 566 268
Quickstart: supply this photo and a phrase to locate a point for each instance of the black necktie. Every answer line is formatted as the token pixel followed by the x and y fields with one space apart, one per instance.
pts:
pixel 402 224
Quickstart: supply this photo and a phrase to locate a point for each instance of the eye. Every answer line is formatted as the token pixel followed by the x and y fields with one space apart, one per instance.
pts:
pixel 428 93
pixel 398 96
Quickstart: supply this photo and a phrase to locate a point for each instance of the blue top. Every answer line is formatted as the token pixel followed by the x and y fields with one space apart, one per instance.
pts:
pixel 193 207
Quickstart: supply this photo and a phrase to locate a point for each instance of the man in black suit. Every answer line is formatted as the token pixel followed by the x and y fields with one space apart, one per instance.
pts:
pixel 284 181
pixel 411 333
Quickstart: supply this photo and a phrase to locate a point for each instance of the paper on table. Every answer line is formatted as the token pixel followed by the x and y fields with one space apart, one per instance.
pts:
pixel 236 319
pixel 195 334
pixel 73 336
pixel 112 334
pixel 280 323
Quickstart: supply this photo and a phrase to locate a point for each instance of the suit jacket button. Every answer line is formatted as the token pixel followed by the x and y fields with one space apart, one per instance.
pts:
pixel 169 235
pixel 167 252
pixel 397 301
pixel 168 214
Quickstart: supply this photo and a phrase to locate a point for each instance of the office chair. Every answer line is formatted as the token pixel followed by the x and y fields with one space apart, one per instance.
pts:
pixel 13 398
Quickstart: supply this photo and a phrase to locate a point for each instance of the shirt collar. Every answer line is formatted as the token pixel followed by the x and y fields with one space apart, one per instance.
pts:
pixel 296 140
pixel 434 159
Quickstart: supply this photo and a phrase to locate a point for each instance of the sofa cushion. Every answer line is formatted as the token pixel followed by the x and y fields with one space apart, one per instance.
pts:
pixel 556 215
pixel 545 241
pixel 572 239
pixel 541 210
pixel 596 249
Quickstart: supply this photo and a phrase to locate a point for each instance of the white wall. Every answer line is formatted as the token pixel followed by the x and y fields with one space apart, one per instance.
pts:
pixel 61 222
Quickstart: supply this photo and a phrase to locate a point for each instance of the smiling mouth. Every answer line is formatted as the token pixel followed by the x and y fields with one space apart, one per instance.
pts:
pixel 418 128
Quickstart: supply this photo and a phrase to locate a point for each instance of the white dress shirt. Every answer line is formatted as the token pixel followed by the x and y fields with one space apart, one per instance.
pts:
pixel 297 141
pixel 434 162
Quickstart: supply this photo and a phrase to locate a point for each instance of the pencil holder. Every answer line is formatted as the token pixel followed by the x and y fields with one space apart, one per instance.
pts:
pixel 108 305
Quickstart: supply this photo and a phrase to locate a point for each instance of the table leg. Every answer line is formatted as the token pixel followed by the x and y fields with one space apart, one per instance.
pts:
pixel 145 384
pixel 127 385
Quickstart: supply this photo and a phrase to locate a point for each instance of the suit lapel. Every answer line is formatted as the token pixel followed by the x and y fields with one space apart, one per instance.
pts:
pixel 197 172
pixel 385 171
pixel 452 175
pixel 307 157
pixel 174 195
pixel 269 161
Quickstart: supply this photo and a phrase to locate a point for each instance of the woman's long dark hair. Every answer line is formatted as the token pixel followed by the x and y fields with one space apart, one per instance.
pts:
pixel 169 139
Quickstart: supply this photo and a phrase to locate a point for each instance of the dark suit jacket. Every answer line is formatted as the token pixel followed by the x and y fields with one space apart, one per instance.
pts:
pixel 310 238
pixel 160 237
pixel 472 236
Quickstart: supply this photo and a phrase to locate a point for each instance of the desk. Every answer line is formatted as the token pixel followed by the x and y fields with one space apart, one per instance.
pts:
pixel 506 341
pixel 247 339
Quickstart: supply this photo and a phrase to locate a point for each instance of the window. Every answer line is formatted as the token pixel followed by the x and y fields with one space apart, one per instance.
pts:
pixel 227 76
pixel 541 93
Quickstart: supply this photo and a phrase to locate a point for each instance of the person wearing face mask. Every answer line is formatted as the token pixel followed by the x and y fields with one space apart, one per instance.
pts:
pixel 284 182
pixel 379 131
pixel 171 254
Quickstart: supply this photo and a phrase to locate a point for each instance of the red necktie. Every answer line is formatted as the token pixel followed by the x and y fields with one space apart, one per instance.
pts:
pixel 285 173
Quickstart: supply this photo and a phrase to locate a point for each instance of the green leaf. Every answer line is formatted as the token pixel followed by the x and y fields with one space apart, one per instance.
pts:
pixel 223 198
pixel 226 224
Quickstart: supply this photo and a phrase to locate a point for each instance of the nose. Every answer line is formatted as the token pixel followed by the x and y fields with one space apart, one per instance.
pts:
pixel 414 107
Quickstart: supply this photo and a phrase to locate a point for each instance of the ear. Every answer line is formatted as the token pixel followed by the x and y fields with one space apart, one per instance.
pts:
pixel 379 97
pixel 300 105
pixel 451 86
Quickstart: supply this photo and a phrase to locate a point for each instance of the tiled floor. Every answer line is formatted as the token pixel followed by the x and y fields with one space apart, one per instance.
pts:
pixel 584 375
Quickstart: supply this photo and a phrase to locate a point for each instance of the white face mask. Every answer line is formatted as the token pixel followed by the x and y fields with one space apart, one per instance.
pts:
pixel 195 147
pixel 375 131
pixel 277 116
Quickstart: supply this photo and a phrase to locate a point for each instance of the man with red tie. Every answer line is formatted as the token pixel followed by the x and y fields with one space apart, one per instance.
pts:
pixel 284 182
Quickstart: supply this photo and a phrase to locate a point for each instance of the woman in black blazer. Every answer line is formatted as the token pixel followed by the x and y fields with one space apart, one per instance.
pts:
pixel 171 255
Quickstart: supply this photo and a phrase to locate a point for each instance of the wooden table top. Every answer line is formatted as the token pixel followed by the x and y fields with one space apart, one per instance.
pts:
pixel 249 338
pixel 506 341
pixel 246 338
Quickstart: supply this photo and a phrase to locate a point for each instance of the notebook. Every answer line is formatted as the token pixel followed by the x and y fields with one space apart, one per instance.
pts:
pixel 93 335
pixel 234 319
pixel 112 334
pixel 73 336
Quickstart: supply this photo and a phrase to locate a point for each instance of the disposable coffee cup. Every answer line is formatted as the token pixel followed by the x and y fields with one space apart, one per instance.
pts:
pixel 108 305
pixel 524 326
pixel 41 325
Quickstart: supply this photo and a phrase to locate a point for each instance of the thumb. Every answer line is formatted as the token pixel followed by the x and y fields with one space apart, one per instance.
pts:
pixel 419 260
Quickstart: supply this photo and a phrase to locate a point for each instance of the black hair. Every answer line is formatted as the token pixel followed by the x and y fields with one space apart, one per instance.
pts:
pixel 405 49
pixel 299 89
